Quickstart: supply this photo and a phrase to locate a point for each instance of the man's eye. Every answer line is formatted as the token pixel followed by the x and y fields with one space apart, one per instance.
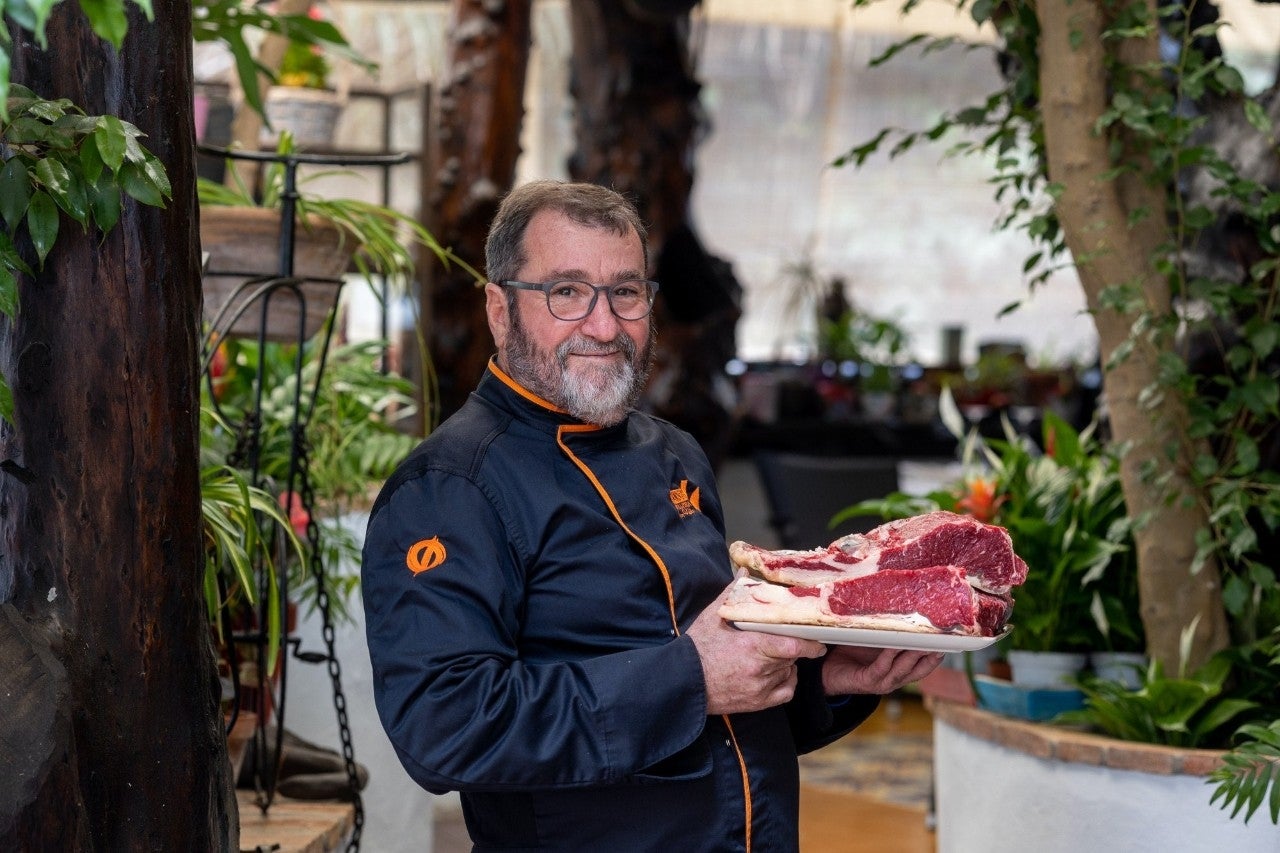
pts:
pixel 567 290
pixel 628 290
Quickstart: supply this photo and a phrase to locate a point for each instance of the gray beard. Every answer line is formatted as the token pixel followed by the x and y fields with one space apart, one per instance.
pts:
pixel 602 395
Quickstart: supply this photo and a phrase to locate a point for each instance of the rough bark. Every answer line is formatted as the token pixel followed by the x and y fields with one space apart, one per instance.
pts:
pixel 1095 213
pixel 100 545
pixel 473 153
pixel 639 121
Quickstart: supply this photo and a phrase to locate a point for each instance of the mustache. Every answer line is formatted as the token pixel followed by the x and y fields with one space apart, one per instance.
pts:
pixel 588 346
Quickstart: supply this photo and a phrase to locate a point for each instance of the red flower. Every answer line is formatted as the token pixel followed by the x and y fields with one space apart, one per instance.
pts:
pixel 980 500
pixel 299 518
pixel 219 366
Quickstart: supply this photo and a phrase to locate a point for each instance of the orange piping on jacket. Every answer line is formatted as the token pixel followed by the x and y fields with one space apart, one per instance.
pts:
pixel 671 598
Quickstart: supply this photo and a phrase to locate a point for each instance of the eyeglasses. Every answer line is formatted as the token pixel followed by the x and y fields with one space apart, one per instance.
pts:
pixel 573 300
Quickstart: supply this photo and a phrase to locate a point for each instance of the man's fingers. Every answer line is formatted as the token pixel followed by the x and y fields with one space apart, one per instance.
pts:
pixel 789 648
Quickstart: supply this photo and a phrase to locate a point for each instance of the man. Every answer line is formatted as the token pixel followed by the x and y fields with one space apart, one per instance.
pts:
pixel 541 579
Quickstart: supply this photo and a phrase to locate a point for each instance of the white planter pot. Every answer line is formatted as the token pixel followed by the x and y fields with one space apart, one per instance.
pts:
pixel 1046 669
pixel 1123 667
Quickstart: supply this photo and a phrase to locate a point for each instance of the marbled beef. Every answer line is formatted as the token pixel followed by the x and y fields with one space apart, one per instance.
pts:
pixel 937 599
pixel 940 538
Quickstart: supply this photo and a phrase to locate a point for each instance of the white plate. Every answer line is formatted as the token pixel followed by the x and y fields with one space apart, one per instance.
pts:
pixel 877 639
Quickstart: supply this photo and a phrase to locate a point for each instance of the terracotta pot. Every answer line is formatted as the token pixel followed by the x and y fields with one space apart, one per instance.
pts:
pixel 243 244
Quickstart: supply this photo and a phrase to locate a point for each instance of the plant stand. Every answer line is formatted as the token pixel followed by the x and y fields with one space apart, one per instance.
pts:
pixel 258 292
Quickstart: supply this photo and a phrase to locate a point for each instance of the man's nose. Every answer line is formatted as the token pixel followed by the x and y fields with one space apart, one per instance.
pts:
pixel 601 322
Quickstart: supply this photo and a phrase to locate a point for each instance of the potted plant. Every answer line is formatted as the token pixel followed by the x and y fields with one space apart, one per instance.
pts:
pixel 240 230
pixel 1065 512
pixel 353 441
pixel 301 101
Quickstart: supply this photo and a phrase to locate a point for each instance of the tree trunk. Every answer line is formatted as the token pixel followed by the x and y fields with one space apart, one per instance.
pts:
pixel 100 519
pixel 638 121
pixel 1111 251
pixel 473 153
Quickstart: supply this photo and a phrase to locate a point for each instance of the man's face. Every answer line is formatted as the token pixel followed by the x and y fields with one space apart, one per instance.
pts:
pixel 594 368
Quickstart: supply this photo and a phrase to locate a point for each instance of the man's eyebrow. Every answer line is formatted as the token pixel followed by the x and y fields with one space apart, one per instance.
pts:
pixel 581 275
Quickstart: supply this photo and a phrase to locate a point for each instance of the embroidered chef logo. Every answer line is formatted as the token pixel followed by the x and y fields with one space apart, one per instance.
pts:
pixel 685 501
pixel 425 554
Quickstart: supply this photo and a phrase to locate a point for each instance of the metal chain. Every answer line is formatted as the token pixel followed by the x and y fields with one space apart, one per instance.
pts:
pixel 246 440
pixel 307 494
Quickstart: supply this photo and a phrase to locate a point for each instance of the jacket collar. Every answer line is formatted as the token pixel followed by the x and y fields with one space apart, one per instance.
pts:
pixel 503 390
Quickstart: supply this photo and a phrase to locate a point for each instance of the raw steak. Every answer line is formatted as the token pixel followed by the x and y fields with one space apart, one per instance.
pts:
pixel 937 599
pixel 934 539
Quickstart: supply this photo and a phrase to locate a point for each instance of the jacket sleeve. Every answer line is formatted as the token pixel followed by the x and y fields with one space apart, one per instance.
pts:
pixel 817 719
pixel 442 589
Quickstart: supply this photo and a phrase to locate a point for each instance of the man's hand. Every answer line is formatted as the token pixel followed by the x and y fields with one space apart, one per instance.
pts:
pixel 746 670
pixel 858 669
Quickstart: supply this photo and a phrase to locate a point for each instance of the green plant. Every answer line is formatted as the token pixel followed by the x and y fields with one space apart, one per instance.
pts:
pixel 1114 142
pixel 1202 709
pixel 1188 710
pixel 58 160
pixel 1065 512
pixel 243 526
pixel 350 437
pixel 224 21
pixel 382 237
pixel 228 20
pixel 303 65
pixel 1250 770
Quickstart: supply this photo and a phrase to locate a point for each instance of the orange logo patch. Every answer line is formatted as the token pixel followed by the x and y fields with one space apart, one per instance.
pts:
pixel 686 502
pixel 425 554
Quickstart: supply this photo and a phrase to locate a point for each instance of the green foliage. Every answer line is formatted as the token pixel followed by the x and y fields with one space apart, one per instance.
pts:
pixel 1065 513
pixel 383 237
pixel 303 65
pixel 243 527
pixel 1155 125
pixel 1203 710
pixel 1185 711
pixel 352 436
pixel 1250 771
pixel 60 161
pixel 227 21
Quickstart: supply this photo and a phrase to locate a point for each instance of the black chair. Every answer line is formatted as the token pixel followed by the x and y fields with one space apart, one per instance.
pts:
pixel 804 492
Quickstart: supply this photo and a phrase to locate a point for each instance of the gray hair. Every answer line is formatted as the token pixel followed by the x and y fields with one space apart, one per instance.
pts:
pixel 586 204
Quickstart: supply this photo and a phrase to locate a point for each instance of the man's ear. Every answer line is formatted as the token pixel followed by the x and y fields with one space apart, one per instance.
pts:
pixel 495 308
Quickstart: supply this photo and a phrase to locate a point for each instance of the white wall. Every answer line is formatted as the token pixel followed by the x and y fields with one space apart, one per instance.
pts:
pixel 398 813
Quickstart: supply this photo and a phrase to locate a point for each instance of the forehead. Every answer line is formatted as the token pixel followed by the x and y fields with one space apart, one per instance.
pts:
pixel 557 245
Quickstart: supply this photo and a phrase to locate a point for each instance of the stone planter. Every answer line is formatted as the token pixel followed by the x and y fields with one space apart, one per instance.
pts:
pixel 1007 786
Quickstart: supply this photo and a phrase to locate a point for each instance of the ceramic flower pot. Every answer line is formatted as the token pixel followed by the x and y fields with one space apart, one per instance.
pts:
pixel 1051 670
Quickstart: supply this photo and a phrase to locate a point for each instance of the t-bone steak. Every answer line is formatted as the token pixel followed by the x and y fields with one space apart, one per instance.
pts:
pixel 936 573
pixel 938 599
pixel 939 538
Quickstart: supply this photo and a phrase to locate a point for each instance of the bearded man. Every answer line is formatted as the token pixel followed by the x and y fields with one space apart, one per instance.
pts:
pixel 541 578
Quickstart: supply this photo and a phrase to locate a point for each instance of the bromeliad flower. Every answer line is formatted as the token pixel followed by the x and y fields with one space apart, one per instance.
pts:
pixel 980 500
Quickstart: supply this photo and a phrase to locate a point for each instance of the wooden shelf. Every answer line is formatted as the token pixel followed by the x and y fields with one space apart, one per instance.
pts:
pixel 294 826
